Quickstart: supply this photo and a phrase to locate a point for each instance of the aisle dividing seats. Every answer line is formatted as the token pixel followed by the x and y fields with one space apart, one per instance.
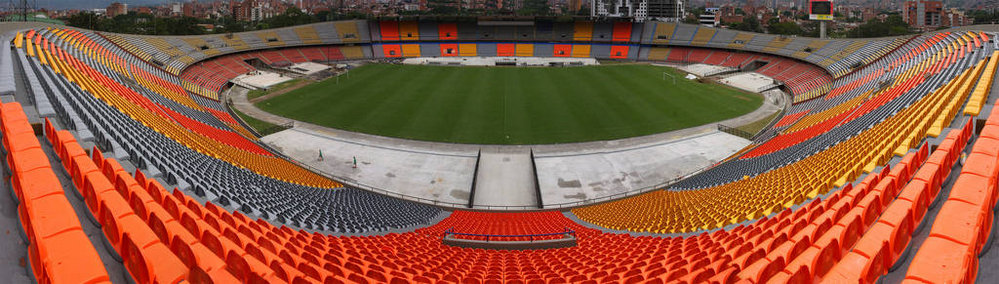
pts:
pixel 964 224
pixel 152 244
pixel 983 88
pixel 58 249
pixel 883 244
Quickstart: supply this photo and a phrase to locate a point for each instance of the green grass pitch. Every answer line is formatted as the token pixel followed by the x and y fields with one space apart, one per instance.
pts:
pixel 511 105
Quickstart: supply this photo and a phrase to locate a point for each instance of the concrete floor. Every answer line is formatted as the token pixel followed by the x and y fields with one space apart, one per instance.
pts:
pixel 505 178
pixel 749 81
pixel 704 70
pixel 570 179
pixel 442 176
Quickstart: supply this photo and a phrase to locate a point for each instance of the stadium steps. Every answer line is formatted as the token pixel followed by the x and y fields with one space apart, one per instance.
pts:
pixel 59 249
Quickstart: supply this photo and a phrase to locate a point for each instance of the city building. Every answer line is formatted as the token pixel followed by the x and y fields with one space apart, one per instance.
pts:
pixel 116 9
pixel 640 10
pixel 709 17
pixel 922 14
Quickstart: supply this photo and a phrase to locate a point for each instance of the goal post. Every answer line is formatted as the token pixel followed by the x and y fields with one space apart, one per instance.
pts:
pixel 667 74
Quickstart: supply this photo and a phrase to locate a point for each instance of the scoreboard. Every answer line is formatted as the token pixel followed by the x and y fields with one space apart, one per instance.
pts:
pixel 820 10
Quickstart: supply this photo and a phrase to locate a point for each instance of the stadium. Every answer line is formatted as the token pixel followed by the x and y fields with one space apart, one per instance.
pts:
pixel 527 151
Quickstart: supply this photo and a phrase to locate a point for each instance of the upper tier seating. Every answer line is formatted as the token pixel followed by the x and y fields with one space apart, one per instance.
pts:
pixel 173 54
pixel 837 57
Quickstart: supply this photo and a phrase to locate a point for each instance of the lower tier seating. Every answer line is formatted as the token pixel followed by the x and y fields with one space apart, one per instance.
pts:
pixel 214 74
pixel 800 77
pixel 58 251
pixel 674 211
pixel 961 231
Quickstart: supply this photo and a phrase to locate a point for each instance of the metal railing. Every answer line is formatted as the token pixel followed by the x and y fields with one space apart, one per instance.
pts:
pixel 735 131
pixel 564 232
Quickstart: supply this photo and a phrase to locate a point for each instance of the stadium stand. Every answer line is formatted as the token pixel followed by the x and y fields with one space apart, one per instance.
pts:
pixel 835 192
pixel 214 74
pixel 799 77
pixel 155 152
pixel 794 244
pixel 960 231
pixel 747 197
pixel 622 31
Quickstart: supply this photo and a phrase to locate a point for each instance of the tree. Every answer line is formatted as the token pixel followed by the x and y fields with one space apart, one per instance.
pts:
pixel 893 25
pixel 784 28
pixel 86 20
pixel 749 24
pixel 534 8
pixel 291 17
pixel 443 7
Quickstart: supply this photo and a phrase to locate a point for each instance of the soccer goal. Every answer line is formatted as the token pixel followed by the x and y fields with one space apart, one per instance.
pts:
pixel 667 74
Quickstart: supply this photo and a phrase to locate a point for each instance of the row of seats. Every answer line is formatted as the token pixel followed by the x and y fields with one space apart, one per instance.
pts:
pixel 504 226
pixel 674 211
pixel 962 229
pixel 983 88
pixel 903 206
pixel 59 251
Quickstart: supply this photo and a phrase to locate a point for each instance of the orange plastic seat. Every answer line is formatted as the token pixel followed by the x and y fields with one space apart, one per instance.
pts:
pixel 941 260
pixel 69 257
pixel 153 263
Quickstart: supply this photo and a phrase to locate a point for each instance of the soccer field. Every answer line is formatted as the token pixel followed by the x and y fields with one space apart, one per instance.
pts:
pixel 511 105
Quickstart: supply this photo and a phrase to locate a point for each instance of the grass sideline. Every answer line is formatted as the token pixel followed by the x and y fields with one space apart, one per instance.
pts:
pixel 512 105
pixel 262 127
pixel 259 93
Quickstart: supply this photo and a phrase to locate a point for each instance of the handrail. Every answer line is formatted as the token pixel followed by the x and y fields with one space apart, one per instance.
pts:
pixel 531 236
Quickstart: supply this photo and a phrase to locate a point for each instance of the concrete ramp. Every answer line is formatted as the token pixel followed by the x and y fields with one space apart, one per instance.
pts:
pixel 505 178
